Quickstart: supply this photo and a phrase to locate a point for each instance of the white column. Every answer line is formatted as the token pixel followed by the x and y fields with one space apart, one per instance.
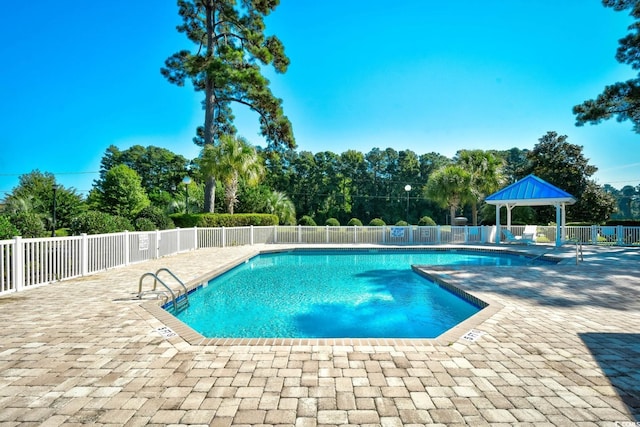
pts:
pixel 498 207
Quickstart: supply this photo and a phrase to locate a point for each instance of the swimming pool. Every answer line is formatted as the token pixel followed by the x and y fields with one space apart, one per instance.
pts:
pixel 333 294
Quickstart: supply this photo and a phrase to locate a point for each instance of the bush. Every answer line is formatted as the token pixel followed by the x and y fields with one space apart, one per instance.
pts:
pixel 157 216
pixel 402 223
pixel 307 220
pixel 426 221
pixel 95 222
pixel 29 224
pixel 624 222
pixel 354 222
pixel 377 222
pixel 332 222
pixel 7 230
pixel 223 220
pixel 145 224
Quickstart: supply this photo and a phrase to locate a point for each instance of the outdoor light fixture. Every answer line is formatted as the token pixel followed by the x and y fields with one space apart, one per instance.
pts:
pixel 186 181
pixel 407 188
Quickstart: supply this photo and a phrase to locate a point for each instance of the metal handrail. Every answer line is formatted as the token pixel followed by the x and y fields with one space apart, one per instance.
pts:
pixel 579 254
pixel 156 280
pixel 175 277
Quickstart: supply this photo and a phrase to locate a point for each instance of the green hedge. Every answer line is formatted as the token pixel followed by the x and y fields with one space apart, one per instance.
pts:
pixel 223 220
pixel 624 222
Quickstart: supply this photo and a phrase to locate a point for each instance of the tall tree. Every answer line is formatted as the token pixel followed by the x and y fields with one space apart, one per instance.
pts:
pixel 230 161
pixel 450 187
pixel 230 46
pixel 562 164
pixel 160 170
pixel 486 177
pixel 34 194
pixel 621 99
pixel 120 194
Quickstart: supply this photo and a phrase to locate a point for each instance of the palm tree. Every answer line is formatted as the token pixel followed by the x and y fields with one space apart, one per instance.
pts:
pixel 486 176
pixel 280 205
pixel 450 186
pixel 229 161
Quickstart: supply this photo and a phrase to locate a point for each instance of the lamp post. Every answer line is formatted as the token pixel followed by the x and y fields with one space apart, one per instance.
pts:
pixel 53 222
pixel 186 181
pixel 407 188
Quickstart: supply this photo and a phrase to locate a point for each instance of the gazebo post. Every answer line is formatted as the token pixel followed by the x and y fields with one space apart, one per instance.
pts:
pixel 564 222
pixel 498 231
pixel 559 232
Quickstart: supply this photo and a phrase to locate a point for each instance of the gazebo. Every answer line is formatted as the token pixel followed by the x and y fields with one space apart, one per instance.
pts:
pixel 531 191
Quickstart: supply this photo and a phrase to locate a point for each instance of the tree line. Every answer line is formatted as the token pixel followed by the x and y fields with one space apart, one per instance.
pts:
pixel 140 187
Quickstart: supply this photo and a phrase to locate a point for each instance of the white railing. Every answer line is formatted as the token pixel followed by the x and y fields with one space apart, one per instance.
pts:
pixel 27 263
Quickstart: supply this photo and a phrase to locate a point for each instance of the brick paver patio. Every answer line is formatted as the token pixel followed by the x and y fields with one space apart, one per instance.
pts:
pixel 562 347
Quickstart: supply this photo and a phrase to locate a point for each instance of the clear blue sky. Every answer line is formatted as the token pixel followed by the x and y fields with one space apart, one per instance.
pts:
pixel 430 76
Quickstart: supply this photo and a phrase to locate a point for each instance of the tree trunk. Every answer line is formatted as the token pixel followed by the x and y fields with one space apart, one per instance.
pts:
pixel 210 102
pixel 474 213
pixel 210 96
pixel 210 195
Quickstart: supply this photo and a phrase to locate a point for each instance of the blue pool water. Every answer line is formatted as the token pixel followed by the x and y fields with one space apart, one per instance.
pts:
pixel 331 294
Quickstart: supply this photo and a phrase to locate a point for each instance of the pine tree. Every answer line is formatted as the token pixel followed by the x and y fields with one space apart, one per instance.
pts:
pixel 230 46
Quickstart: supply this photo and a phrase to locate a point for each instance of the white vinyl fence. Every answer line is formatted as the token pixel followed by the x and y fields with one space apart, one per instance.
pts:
pixel 27 263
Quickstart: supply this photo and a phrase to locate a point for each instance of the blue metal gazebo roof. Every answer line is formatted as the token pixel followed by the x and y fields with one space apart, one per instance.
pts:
pixel 530 191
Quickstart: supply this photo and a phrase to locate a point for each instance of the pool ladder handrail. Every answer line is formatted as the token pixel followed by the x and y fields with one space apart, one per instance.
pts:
pixel 179 301
pixel 579 252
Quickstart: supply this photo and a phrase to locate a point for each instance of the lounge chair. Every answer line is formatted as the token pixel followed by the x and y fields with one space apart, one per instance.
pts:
pixel 530 232
pixel 527 240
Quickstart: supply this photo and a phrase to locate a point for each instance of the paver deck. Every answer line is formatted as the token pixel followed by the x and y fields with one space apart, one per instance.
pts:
pixel 563 348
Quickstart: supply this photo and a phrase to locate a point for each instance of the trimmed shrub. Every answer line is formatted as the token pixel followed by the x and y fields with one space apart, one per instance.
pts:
pixel 223 220
pixel 95 222
pixel 307 220
pixel 426 221
pixel 624 222
pixel 157 216
pixel 145 224
pixel 377 222
pixel 332 222
pixel 402 223
pixel 354 222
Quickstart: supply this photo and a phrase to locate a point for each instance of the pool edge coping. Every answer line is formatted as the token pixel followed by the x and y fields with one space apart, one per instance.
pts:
pixel 454 334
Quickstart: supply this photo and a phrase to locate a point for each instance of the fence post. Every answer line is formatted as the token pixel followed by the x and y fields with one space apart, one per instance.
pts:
pixel 84 254
pixel 384 234
pixel 410 234
pixel 127 248
pixel 326 227
pixel 620 235
pixel 251 234
pixel 299 233
pixel 18 264
pixel 275 234
pixel 195 238
pixel 355 234
pixel 224 237
pixel 157 248
pixel 438 234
